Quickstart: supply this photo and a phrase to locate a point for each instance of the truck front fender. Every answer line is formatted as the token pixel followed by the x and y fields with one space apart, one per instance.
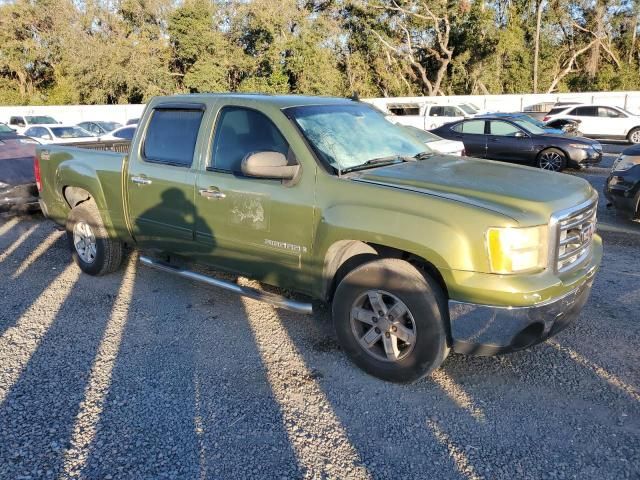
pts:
pixel 345 231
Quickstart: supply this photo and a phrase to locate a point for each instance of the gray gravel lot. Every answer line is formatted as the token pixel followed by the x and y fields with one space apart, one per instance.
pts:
pixel 140 375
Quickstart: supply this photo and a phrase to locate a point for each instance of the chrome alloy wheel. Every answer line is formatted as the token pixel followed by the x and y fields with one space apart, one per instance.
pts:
pixel 551 161
pixel 383 325
pixel 84 241
pixel 635 137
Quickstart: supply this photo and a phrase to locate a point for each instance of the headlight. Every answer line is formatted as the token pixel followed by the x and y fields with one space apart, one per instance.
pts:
pixel 517 250
pixel 625 163
pixel 584 146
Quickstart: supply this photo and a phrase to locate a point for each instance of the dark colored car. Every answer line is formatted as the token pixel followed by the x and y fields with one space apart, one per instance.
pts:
pixel 133 121
pixel 517 141
pixel 18 190
pixel 623 185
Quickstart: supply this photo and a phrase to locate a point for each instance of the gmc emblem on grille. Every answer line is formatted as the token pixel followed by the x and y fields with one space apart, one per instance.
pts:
pixel 586 234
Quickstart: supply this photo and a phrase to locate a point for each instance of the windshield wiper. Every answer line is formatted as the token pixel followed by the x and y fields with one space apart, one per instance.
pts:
pixel 378 162
pixel 422 155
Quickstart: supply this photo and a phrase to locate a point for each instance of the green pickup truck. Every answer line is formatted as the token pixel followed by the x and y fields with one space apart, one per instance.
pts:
pixel 417 253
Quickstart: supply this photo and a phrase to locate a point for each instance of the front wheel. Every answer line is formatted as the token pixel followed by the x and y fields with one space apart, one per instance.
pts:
pixel 634 135
pixel 552 159
pixel 390 320
pixel 91 247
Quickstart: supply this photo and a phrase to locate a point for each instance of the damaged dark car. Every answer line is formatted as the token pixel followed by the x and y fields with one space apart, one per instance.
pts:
pixel 18 191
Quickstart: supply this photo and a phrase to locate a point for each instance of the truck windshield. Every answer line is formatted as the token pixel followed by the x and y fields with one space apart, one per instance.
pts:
pixel 467 109
pixel 347 136
pixel 40 119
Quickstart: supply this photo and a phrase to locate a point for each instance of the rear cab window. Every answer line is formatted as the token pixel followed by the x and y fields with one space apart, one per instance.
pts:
pixel 172 134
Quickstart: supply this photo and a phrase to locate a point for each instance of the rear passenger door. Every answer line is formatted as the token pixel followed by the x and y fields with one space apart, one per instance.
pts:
pixel 473 137
pixel 161 178
pixel 590 124
pixel 255 226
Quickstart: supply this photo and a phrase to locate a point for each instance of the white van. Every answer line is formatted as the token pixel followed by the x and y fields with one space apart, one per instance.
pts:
pixel 428 116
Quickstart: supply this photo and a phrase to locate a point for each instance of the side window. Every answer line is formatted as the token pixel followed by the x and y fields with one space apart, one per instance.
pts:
pixel 451 112
pixel 475 127
pixel 585 111
pixel 125 133
pixel 609 112
pixel 17 121
pixel 241 131
pixel 171 136
pixel 38 132
pixel 503 129
pixel 457 127
pixel 436 111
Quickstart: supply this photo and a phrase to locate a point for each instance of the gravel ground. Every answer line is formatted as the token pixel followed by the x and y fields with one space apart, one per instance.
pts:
pixel 141 375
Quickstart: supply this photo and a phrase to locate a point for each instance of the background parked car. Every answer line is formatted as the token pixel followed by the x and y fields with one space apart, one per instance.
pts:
pixel 623 185
pixel 60 134
pixel 99 128
pixel 517 141
pixel 21 122
pixel 601 121
pixel 133 121
pixel 122 133
pixel 436 143
pixel 427 116
pixel 18 190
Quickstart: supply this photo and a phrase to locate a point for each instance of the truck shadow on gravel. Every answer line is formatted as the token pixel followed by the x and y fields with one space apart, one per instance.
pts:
pixel 24 278
pixel 140 375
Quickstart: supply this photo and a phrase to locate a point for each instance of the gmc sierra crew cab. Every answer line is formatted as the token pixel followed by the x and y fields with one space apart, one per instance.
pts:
pixel 417 253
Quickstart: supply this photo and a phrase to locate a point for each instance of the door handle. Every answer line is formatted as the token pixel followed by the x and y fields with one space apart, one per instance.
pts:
pixel 210 193
pixel 141 180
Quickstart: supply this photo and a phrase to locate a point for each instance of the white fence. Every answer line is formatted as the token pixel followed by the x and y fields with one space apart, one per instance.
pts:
pixel 493 103
pixel 517 103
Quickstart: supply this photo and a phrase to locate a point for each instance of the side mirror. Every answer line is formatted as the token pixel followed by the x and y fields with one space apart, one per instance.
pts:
pixel 519 134
pixel 268 165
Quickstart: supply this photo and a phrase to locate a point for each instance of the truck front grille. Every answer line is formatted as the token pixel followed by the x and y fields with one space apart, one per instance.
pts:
pixel 575 234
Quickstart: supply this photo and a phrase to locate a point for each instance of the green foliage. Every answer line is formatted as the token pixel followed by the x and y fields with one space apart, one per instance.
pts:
pixel 68 51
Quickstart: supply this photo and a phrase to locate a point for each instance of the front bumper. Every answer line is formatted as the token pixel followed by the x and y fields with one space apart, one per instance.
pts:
pixel 622 189
pixel 584 157
pixel 490 330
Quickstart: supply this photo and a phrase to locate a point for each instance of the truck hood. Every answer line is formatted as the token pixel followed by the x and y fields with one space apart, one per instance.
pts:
pixel 527 195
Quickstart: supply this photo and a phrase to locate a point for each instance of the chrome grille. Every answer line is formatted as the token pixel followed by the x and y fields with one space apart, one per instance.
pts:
pixel 575 234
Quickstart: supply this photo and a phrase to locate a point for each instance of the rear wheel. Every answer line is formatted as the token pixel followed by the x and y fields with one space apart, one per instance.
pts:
pixel 390 320
pixel 91 247
pixel 634 135
pixel 552 159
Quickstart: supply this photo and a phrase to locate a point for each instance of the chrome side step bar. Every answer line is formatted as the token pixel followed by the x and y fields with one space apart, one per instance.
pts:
pixel 276 300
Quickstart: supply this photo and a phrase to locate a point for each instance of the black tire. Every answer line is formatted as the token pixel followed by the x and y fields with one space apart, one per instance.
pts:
pixel 634 135
pixel 552 159
pixel 426 304
pixel 108 251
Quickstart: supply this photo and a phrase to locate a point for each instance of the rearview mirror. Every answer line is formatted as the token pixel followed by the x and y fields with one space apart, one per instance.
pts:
pixel 268 165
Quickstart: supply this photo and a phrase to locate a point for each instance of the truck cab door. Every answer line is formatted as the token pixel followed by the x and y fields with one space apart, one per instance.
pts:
pixel 258 227
pixel 161 178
